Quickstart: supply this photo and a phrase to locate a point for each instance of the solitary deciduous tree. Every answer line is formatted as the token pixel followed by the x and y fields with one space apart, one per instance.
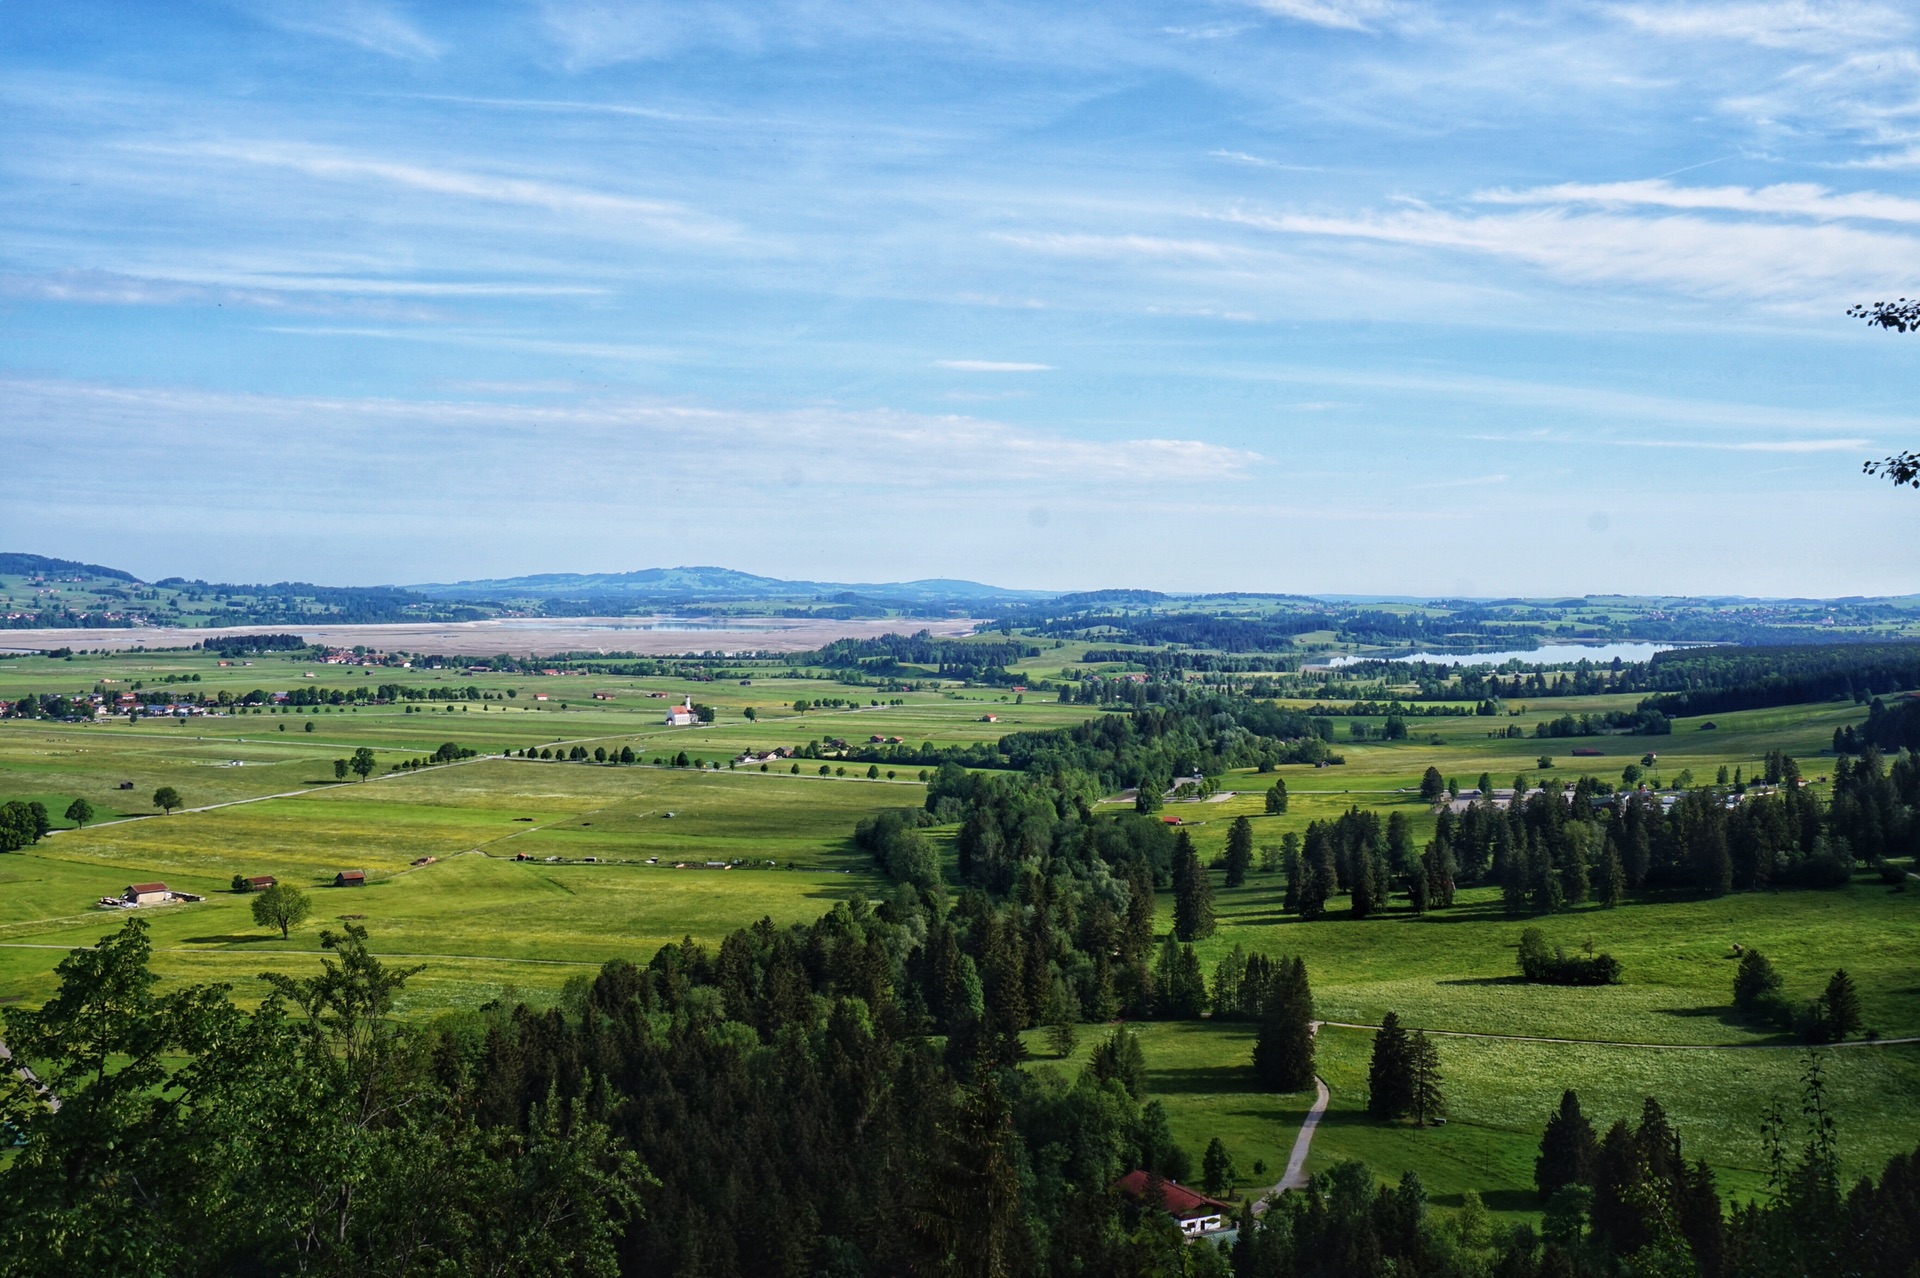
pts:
pixel 363 763
pixel 339 769
pixel 1277 798
pixel 281 906
pixel 80 812
pixel 166 798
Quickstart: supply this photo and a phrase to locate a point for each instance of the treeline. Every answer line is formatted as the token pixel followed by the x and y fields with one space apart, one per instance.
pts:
pixel 1887 730
pixel 886 654
pixel 231 646
pixel 1720 680
pixel 1183 731
pixel 1558 848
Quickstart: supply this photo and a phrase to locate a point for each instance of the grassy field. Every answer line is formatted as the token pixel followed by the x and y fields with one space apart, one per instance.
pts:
pixel 487 925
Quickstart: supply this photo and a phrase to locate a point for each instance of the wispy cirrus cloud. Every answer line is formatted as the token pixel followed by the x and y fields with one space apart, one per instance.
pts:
pixel 1772 24
pixel 1345 15
pixel 620 439
pixel 606 207
pixel 1776 262
pixel 377 27
pixel 991 366
pixel 1784 199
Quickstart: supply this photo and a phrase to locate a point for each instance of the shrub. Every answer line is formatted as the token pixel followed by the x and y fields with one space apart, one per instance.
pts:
pixel 1554 966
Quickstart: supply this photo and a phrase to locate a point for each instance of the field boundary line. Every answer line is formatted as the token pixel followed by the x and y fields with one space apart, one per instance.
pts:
pixel 1652 1047
pixel 465 958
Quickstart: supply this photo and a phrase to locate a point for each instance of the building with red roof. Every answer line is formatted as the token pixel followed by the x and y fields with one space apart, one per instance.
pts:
pixel 1197 1213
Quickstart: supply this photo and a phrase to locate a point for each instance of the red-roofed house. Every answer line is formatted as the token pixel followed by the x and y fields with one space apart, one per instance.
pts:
pixel 147 894
pixel 683 716
pixel 350 878
pixel 1197 1213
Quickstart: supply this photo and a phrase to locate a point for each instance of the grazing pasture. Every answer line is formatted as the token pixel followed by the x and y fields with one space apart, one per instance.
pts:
pixel 506 877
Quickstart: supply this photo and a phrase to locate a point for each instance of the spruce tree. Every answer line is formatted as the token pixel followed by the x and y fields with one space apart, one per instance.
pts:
pixel 1390 1076
pixel 1567 1149
pixel 1432 786
pixel 1842 1002
pixel 1755 982
pixel 1216 1169
pixel 1277 798
pixel 1426 1102
pixel 1283 1052
pixel 1192 892
pixel 1615 890
pixel 1239 851
pixel 1228 977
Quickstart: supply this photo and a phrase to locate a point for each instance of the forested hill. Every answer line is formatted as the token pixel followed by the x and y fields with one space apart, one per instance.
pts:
pixel 14 564
pixel 659 587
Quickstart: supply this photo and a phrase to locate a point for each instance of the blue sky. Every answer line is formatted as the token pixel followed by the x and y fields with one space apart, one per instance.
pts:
pixel 1312 295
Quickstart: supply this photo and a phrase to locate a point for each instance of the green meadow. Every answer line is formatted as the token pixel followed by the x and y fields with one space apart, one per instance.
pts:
pixel 507 877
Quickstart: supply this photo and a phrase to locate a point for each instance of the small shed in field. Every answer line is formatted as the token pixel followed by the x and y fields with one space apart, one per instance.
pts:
pixel 350 878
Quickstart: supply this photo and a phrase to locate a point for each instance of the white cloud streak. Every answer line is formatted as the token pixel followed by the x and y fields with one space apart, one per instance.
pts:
pixel 612 209
pixel 991 366
pixel 614 441
pixel 379 28
pixel 1772 24
pixel 1343 15
pixel 1790 265
pixel 1785 199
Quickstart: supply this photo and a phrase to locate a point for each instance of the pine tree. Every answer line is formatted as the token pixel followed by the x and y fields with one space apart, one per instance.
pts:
pixel 1319 877
pixel 1283 1052
pixel 1440 869
pixel 1228 978
pixel 1216 1169
pixel 1432 786
pixel 1182 989
pixel 1062 1017
pixel 1137 935
pixel 1427 1103
pixel 1192 893
pixel 1390 1076
pixel 1755 982
pixel 1567 1149
pixel 1239 851
pixel 1842 1003
pixel 1616 876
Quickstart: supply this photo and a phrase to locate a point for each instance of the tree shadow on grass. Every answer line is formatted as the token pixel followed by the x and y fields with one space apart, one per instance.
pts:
pixel 1204 1080
pixel 1494 1200
pixel 1515 979
pixel 247 938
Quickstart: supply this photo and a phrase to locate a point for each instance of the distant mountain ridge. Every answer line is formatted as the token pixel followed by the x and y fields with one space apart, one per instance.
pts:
pixel 707 583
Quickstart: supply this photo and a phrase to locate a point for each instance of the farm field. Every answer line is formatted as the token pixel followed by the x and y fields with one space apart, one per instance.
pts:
pixel 262 798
